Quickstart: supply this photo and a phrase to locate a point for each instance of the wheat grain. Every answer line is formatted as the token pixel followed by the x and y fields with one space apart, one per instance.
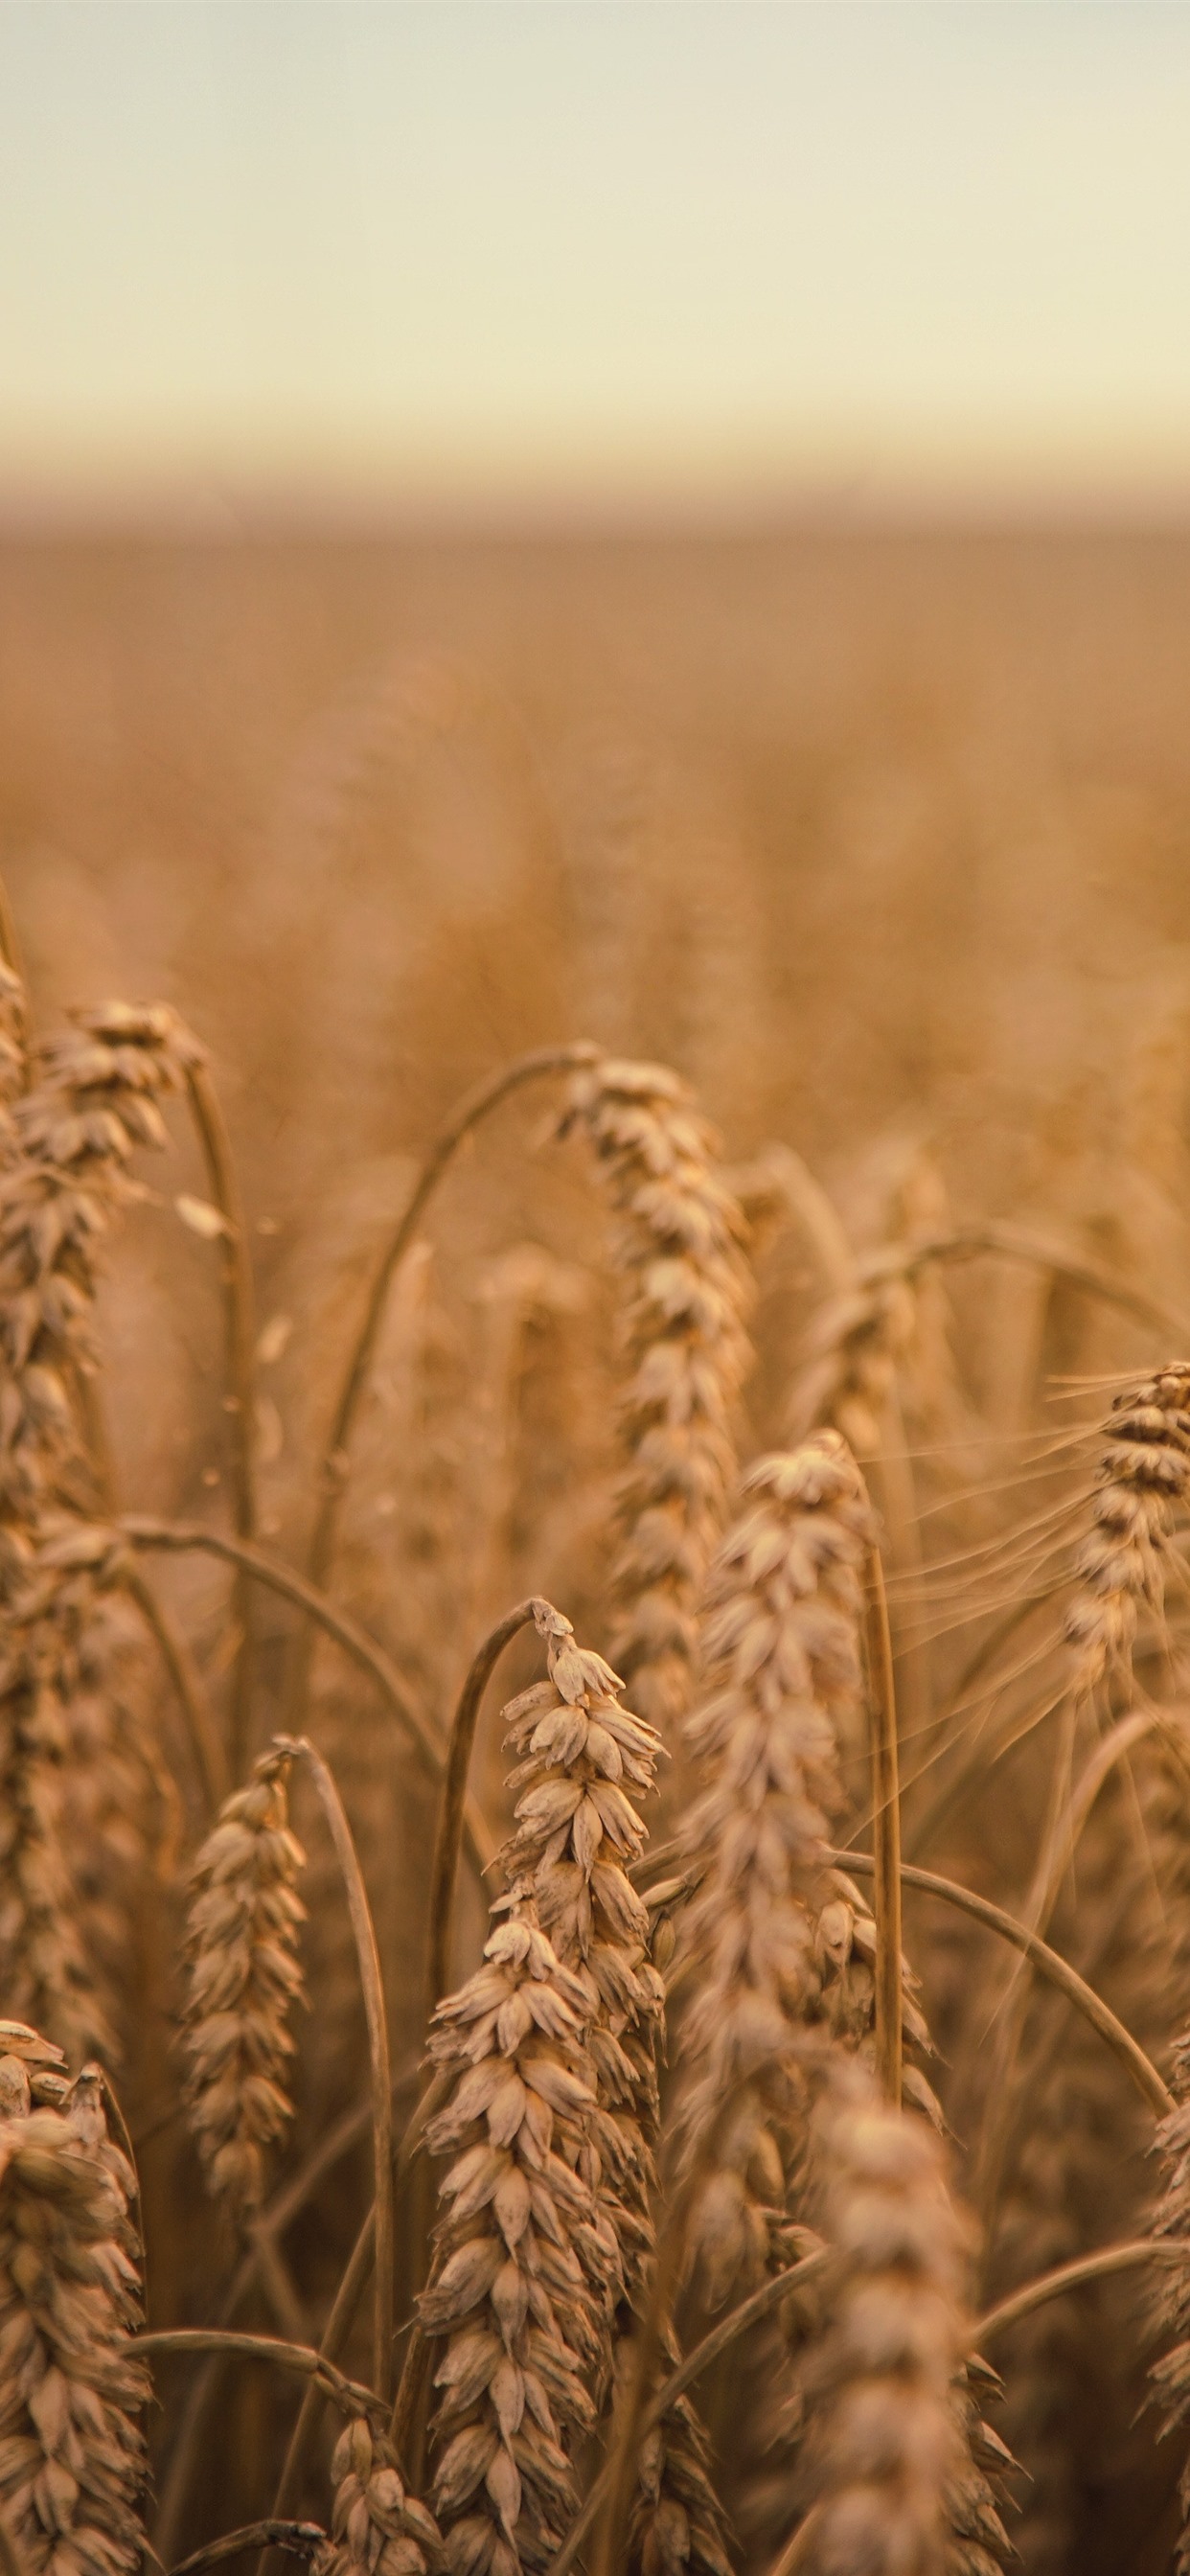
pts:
pixel 242 1980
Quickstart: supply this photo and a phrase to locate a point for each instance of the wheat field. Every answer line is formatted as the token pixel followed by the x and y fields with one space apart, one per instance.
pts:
pixel 595 1437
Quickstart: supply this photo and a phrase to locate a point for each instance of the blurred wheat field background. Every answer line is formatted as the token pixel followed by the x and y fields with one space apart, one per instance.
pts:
pixel 880 840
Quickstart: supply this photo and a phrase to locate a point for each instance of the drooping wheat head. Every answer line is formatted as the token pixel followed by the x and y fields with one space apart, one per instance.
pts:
pixel 242 1980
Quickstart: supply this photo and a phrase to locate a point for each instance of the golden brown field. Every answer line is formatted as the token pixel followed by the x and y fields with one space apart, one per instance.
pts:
pixel 825 897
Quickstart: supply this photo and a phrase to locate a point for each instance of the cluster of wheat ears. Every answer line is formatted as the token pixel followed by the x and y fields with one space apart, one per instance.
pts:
pixel 665 2255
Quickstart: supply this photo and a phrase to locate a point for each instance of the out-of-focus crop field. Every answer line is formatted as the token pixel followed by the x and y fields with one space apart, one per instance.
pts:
pixel 881 840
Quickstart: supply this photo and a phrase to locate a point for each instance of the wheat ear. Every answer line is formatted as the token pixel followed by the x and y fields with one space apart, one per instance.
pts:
pixel 686 1286
pixel 784 1949
pixel 508 2289
pixel 242 1980
pixel 585 1759
pixel 1143 1477
pixel 784 1694
pixel 1171 2296
pixel 377 2527
pixel 64 1169
pixel 884 2450
pixel 72 2457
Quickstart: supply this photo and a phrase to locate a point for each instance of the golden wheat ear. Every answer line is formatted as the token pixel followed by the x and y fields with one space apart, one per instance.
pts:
pixel 73 2466
pixel 884 2451
pixel 1143 1478
pixel 377 2527
pixel 586 1761
pixel 242 1980
pixel 782 1701
pixel 679 1254
pixel 509 2294
pixel 73 1115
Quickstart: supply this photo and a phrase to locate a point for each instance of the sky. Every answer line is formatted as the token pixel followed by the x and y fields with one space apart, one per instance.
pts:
pixel 467 255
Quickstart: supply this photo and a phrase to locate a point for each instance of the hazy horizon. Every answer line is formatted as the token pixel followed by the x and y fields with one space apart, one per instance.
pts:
pixel 495 261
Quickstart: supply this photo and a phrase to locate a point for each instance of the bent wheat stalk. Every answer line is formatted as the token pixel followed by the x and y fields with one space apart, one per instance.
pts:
pixel 298 2358
pixel 886 1832
pixel 536 1066
pixel 1110 2259
pixel 1048 1963
pixel 444 1868
pixel 300 2539
pixel 239 1346
pixel 372 1985
pixel 181 1536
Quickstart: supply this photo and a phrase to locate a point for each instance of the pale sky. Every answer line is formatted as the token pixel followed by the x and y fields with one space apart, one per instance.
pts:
pixel 507 251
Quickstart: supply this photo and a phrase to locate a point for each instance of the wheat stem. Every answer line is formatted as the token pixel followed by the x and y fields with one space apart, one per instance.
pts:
pixel 372 1984
pixel 1047 1962
pixel 463 1119
pixel 285 2206
pixel 779 2286
pixel 181 1536
pixel 205 1741
pixel 886 1834
pixel 239 1347
pixel 299 2358
pixel 300 2539
pixel 1071 2276
pixel 350 2291
pixel 444 1869
pixel 1016 1243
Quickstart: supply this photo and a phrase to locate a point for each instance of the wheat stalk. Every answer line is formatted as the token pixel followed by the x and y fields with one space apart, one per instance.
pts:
pixel 242 1980
pixel 686 1287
